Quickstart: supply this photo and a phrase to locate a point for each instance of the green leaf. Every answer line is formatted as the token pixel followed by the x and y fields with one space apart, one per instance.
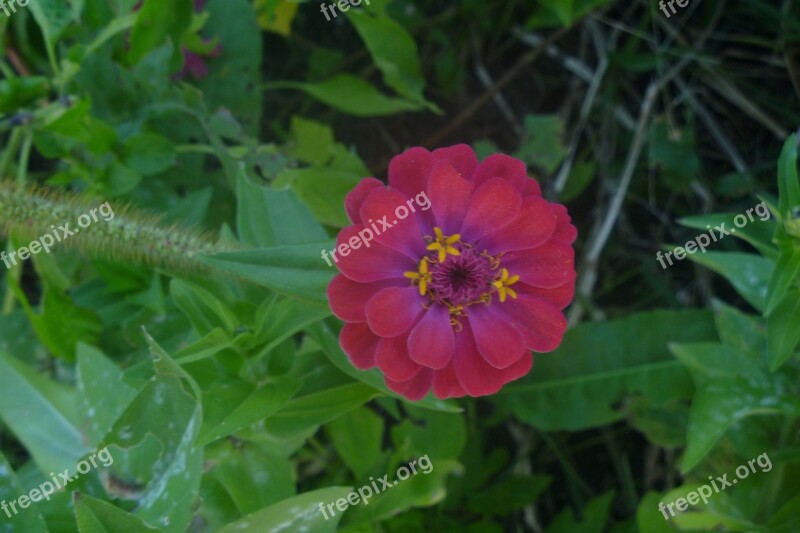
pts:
pixel 104 395
pixel 719 403
pixel 748 273
pixel 581 176
pixel 294 270
pixel 786 519
pixel 743 332
pixel 395 54
pixel 788 182
pixel 563 9
pixel 41 415
pixel 262 213
pixel 302 416
pixel 233 405
pixel 280 318
pixel 786 272
pixel 351 95
pixel 313 141
pixel 149 153
pixel 357 437
pixel 542 146
pixel 97 516
pixel 53 17
pixel 673 152
pixel 599 364
pixel 594 517
pixel 205 311
pixel 158 21
pixel 508 496
pixel 299 513
pixel 29 520
pixel 758 233
pixel 710 360
pixel 783 329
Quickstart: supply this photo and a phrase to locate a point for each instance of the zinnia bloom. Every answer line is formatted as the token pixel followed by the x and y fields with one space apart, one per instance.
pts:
pixel 454 298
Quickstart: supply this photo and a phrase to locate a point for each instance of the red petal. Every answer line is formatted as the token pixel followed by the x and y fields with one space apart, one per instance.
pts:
pixel 476 375
pixel 542 323
pixel 498 341
pixel 558 296
pixel 445 383
pixel 431 342
pixel 565 233
pixel 392 311
pixel 359 343
pixel 461 156
pixel 415 388
pixel 450 196
pixel 494 204
pixel 353 200
pixel 533 227
pixel 408 172
pixel 502 166
pixel 548 266
pixel 348 298
pixel 405 236
pixel 370 261
pixel 392 358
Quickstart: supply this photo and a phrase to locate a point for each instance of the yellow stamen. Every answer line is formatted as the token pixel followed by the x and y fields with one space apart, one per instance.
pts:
pixel 444 244
pixel 423 276
pixel 503 285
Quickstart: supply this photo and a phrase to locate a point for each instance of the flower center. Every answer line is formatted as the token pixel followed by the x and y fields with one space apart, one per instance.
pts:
pixel 455 274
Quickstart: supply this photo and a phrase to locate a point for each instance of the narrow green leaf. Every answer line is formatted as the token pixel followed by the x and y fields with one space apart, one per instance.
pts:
pixel 98 516
pixel 783 329
pixel 29 520
pixel 748 273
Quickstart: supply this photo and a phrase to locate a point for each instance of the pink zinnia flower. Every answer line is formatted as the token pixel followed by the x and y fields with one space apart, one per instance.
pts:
pixel 455 298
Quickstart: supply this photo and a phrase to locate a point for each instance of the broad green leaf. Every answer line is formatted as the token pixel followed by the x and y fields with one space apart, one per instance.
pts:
pixel 158 21
pixel 721 402
pixel 302 416
pixel 298 513
pixel 313 142
pixel 324 334
pixel 104 395
pixel 783 329
pixel 253 475
pixel 29 520
pixel 41 414
pixel 786 272
pixel 508 496
pixel 710 360
pixel 748 273
pixel 357 437
pixel 758 232
pixel 53 17
pixel 233 405
pixel 279 318
pixel 427 432
pixel 205 311
pixel 394 52
pixel 149 153
pixel 351 95
pixel 97 516
pixel 262 213
pixel 745 333
pixel 543 146
pixel 599 364
pixel 294 270
pixel 787 518
pixel 648 517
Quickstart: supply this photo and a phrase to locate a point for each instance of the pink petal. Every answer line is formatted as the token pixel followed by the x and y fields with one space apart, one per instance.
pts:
pixel 565 232
pixel 494 204
pixel 450 196
pixel 405 236
pixel 392 358
pixel 476 376
pixel 531 188
pixel 461 156
pixel 445 383
pixel 415 388
pixel 542 323
pixel 370 261
pixel 354 199
pixel 559 296
pixel 497 339
pixel 432 341
pixel 408 172
pixel 533 227
pixel 502 166
pixel 392 311
pixel 359 343
pixel 348 298
pixel 548 266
